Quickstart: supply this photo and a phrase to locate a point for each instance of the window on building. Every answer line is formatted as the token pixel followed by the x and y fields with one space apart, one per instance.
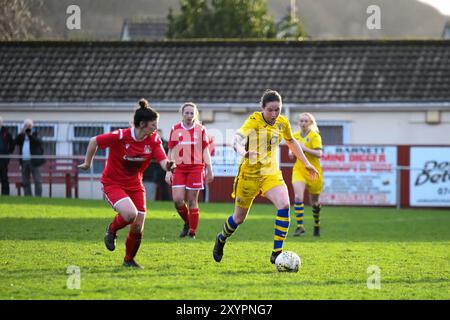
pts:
pixel 47 132
pixel 332 134
pixel 82 133
pixel 118 127
pixel 12 129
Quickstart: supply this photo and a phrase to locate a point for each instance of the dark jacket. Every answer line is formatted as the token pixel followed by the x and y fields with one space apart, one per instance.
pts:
pixel 36 148
pixel 6 143
pixel 154 172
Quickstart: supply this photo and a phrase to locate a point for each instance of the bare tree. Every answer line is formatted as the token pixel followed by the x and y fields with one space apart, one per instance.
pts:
pixel 18 20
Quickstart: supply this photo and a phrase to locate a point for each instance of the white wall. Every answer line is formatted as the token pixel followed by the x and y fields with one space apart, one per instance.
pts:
pixel 392 127
pixel 364 127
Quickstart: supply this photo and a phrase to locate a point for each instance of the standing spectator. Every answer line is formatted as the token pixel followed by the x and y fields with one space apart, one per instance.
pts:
pixel 30 145
pixel 212 152
pixel 149 181
pixel 6 147
pixel 164 189
pixel 154 177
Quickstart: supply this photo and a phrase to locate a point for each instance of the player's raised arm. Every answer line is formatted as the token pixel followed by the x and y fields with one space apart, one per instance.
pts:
pixel 298 152
pixel 90 153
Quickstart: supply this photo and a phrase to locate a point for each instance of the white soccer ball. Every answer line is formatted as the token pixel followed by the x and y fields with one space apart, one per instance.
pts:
pixel 288 261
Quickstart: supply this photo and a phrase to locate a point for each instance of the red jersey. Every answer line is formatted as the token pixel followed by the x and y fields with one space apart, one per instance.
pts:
pixel 188 145
pixel 128 158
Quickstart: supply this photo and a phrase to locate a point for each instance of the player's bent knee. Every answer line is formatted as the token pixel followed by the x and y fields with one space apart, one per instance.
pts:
pixel 283 206
pixel 193 203
pixel 130 216
pixel 179 202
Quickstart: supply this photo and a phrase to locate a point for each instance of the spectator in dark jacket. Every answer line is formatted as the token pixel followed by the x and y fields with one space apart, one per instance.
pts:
pixel 154 178
pixel 6 147
pixel 30 145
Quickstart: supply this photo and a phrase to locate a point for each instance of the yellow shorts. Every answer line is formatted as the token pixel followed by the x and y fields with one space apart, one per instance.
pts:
pixel 313 186
pixel 246 189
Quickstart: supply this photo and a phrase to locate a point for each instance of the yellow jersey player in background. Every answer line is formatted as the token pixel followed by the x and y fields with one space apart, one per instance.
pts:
pixel 311 143
pixel 257 142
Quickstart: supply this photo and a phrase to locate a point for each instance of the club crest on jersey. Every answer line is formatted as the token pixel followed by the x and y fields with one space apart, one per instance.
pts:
pixel 279 127
pixel 147 149
pixel 127 146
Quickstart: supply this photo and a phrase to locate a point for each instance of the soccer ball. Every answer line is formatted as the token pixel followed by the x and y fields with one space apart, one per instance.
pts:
pixel 288 261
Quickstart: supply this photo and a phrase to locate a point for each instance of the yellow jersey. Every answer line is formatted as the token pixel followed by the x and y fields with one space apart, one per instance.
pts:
pixel 264 138
pixel 312 140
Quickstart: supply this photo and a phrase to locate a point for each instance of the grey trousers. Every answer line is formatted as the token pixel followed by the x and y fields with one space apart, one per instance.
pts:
pixel 27 170
pixel 150 190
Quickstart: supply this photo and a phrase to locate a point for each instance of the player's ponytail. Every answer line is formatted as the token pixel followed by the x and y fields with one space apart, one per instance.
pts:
pixel 143 103
pixel 144 113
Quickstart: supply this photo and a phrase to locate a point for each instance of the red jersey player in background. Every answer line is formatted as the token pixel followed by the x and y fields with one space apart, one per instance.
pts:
pixel 188 147
pixel 130 152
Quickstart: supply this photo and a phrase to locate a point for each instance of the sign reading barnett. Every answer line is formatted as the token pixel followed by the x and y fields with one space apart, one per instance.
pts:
pixel 429 179
pixel 359 175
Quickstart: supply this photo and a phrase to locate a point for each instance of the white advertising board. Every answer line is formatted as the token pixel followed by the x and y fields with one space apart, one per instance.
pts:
pixel 359 175
pixel 429 180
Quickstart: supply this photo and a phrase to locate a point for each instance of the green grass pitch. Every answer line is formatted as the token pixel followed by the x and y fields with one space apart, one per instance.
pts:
pixel 41 238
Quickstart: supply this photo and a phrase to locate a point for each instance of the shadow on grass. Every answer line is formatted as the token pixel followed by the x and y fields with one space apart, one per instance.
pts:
pixel 97 203
pixel 167 230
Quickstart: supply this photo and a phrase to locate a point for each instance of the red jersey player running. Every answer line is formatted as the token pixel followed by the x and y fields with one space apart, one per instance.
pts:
pixel 130 152
pixel 188 147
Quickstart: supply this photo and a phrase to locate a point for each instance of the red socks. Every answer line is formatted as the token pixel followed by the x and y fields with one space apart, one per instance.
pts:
pixel 118 223
pixel 193 220
pixel 132 245
pixel 183 212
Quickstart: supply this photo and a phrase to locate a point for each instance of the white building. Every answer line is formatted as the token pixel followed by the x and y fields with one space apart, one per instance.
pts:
pixel 361 92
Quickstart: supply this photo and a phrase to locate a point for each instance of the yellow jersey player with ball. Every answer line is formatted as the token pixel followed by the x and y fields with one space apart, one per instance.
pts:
pixel 257 142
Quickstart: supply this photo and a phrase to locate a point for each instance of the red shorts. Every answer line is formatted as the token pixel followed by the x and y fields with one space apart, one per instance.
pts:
pixel 191 180
pixel 114 194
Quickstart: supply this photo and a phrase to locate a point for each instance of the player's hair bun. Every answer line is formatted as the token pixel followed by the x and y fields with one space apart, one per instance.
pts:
pixel 143 103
